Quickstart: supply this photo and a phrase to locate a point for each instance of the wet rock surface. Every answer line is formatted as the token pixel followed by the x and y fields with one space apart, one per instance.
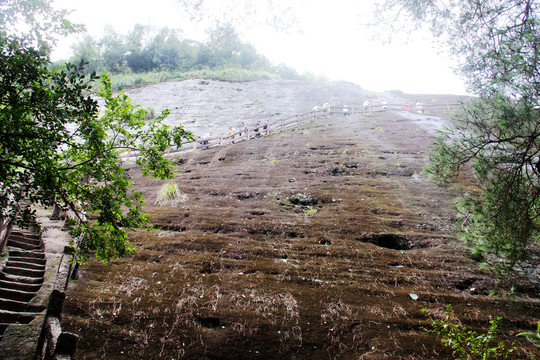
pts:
pixel 303 244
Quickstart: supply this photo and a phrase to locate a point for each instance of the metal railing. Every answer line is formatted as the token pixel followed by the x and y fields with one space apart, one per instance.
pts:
pixel 268 127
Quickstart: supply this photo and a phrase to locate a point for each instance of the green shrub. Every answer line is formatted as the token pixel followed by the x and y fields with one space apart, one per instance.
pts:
pixel 150 113
pixel 467 344
pixel 170 195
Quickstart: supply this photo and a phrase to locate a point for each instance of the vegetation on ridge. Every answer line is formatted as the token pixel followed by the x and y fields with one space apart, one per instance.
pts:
pixel 146 55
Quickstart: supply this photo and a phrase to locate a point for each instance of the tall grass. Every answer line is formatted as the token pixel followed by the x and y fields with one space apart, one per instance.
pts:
pixel 170 195
pixel 131 80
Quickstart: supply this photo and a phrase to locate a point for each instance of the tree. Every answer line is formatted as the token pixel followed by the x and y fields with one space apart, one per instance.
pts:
pixel 249 58
pixel 113 50
pixel 56 149
pixel 223 43
pixel 497 44
pixel 204 56
pixel 165 48
pixel 188 54
pixel 138 57
pixel 35 21
pixel 87 50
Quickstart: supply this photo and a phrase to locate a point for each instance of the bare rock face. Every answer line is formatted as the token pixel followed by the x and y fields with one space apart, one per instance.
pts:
pixel 204 106
pixel 305 243
pixel 302 199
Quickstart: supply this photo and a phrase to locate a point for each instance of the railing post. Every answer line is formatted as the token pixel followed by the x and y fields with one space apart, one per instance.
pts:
pixel 297 119
pixel 66 345
pixel 247 134
pixel 56 303
pixel 195 145
pixel 281 124
pixel 221 140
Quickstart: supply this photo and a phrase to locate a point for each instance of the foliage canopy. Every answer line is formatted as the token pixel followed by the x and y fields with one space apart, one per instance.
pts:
pixel 56 147
pixel 496 44
pixel 145 49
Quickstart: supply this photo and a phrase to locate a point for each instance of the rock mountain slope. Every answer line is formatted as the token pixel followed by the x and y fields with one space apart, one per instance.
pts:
pixel 322 241
pixel 213 106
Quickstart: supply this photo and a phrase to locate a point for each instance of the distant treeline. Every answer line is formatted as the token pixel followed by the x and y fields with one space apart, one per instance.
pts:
pixel 146 50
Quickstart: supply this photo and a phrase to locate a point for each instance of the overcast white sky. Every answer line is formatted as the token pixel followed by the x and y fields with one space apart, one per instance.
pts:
pixel 333 42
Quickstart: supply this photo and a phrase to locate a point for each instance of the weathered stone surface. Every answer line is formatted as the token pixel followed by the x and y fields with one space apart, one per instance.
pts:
pixel 234 274
pixel 29 276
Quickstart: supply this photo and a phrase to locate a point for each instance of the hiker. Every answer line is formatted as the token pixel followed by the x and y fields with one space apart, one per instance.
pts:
pixel 346 110
pixel 244 130
pixel 419 107
pixel 206 140
pixel 257 129
pixel 326 107
pixel 365 105
pixel 406 106
pixel 385 106
pixel 230 134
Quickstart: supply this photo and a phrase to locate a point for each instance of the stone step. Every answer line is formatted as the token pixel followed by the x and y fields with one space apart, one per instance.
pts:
pixel 23 272
pixel 24 265
pixel 14 317
pixel 22 245
pixel 25 253
pixel 18 295
pixel 26 234
pixel 19 306
pixel 33 243
pixel 29 260
pixel 23 238
pixel 14 285
pixel 21 279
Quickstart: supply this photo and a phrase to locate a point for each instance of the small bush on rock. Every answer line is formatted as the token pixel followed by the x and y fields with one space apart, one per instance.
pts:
pixel 170 195
pixel 467 344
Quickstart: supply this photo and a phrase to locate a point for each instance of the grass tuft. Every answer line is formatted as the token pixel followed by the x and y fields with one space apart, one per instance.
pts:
pixel 170 195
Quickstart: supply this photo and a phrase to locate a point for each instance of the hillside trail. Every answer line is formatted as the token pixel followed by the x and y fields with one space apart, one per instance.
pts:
pixel 321 241
pixel 204 106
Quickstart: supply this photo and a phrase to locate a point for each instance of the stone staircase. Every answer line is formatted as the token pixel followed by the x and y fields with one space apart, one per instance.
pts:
pixel 20 279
